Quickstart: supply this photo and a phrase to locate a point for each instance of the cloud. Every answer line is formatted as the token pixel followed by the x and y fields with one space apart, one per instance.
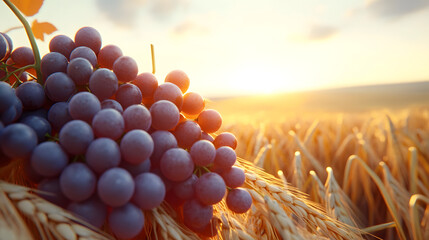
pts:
pixel 395 8
pixel 161 9
pixel 321 32
pixel 189 27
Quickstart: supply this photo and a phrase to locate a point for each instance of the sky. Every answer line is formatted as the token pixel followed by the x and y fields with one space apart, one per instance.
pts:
pixel 243 47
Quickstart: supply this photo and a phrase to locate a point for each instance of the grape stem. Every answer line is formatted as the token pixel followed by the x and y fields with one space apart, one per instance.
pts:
pixel 31 37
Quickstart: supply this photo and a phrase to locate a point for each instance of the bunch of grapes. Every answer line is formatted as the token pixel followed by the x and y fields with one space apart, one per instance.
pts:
pixel 108 143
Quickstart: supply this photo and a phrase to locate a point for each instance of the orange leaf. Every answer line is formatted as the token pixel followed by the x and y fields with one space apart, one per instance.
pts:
pixel 42 28
pixel 28 7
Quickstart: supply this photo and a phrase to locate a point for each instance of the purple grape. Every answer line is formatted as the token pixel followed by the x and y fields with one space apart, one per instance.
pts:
pixel 103 154
pixel 108 123
pixel 62 44
pixel 165 115
pixel 239 200
pixel 18 140
pixel 13 112
pixel 108 55
pixel 110 103
pixel 92 210
pixel 58 115
pixel 210 188
pixel 128 94
pixel 170 92
pixel 136 169
pixel 163 140
pixel 137 117
pixel 77 182
pixel 176 164
pixel 187 133
pixel 196 214
pixel 79 70
pixel 83 106
pixel 127 221
pixel 203 153
pixel 103 83
pixel 84 52
pixel 115 187
pixel 149 191
pixel 75 137
pixel 136 146
pixel 185 190
pixel 125 68
pixel 53 62
pixel 40 125
pixel 49 159
pixel 89 37
pixel 5 49
pixel 59 87
pixel 7 96
pixel 22 56
pixel 31 95
pixel 225 157
pixel 234 177
pixel 50 190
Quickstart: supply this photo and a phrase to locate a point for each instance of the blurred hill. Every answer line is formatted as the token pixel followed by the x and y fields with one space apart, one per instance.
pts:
pixel 350 99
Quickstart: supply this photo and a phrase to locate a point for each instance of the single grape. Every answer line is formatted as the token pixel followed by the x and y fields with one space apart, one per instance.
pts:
pixel 79 70
pixel 165 115
pixel 128 94
pixel 108 55
pixel 136 146
pixel 163 140
pixel 137 117
pixel 53 62
pixel 225 157
pixel 17 140
pixel 147 83
pixel 203 153
pixel 179 78
pixel 103 83
pixel 5 49
pixel 13 112
pixel 125 69
pixel 31 95
pixel 84 106
pixel 89 37
pixel 185 189
pixel 239 200
pixel 7 96
pixel 62 44
pixel 127 221
pixel 110 103
pixel 40 125
pixel 91 210
pixel 225 139
pixel 196 214
pixel 210 188
pixel 108 123
pixel 149 192
pixel 187 133
pixel 103 154
pixel 170 92
pixel 136 169
pixel 9 40
pixel 48 159
pixel 115 187
pixel 176 164
pixel 209 120
pixel 58 115
pixel 22 56
pixel 193 104
pixel 50 190
pixel 77 182
pixel 59 87
pixel 75 137
pixel 84 52
pixel 234 177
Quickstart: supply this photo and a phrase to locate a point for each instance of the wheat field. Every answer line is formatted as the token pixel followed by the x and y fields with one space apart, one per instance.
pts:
pixel 327 174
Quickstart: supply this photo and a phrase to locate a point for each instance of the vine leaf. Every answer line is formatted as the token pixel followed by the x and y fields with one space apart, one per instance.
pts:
pixel 41 28
pixel 28 7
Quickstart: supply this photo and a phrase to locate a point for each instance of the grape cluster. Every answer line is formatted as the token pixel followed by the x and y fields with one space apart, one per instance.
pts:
pixel 108 143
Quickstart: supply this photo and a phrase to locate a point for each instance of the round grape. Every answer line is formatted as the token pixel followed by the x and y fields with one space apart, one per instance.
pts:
pixel 59 87
pixel 170 92
pixel 22 56
pixel 210 188
pixel 147 83
pixel 239 200
pixel 165 115
pixel 77 182
pixel 127 221
pixel 193 104
pixel 149 192
pixel 125 69
pixel 203 153
pixel 103 154
pixel 31 95
pixel 89 37
pixel 176 164
pixel 187 133
pixel 225 139
pixel 128 94
pixel 79 70
pixel 91 210
pixel 5 49
pixel 179 78
pixel 137 117
pixel 83 106
pixel 209 120
pixel 225 157
pixel 75 137
pixel 17 140
pixel 103 83
pixel 234 177
pixel 108 123
pixel 136 146
pixel 13 112
pixel 110 103
pixel 40 125
pixel 185 190
pixel 196 214
pixel 163 140
pixel 108 55
pixel 7 96
pixel 58 115
pixel 84 52
pixel 115 187
pixel 53 62
pixel 62 44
